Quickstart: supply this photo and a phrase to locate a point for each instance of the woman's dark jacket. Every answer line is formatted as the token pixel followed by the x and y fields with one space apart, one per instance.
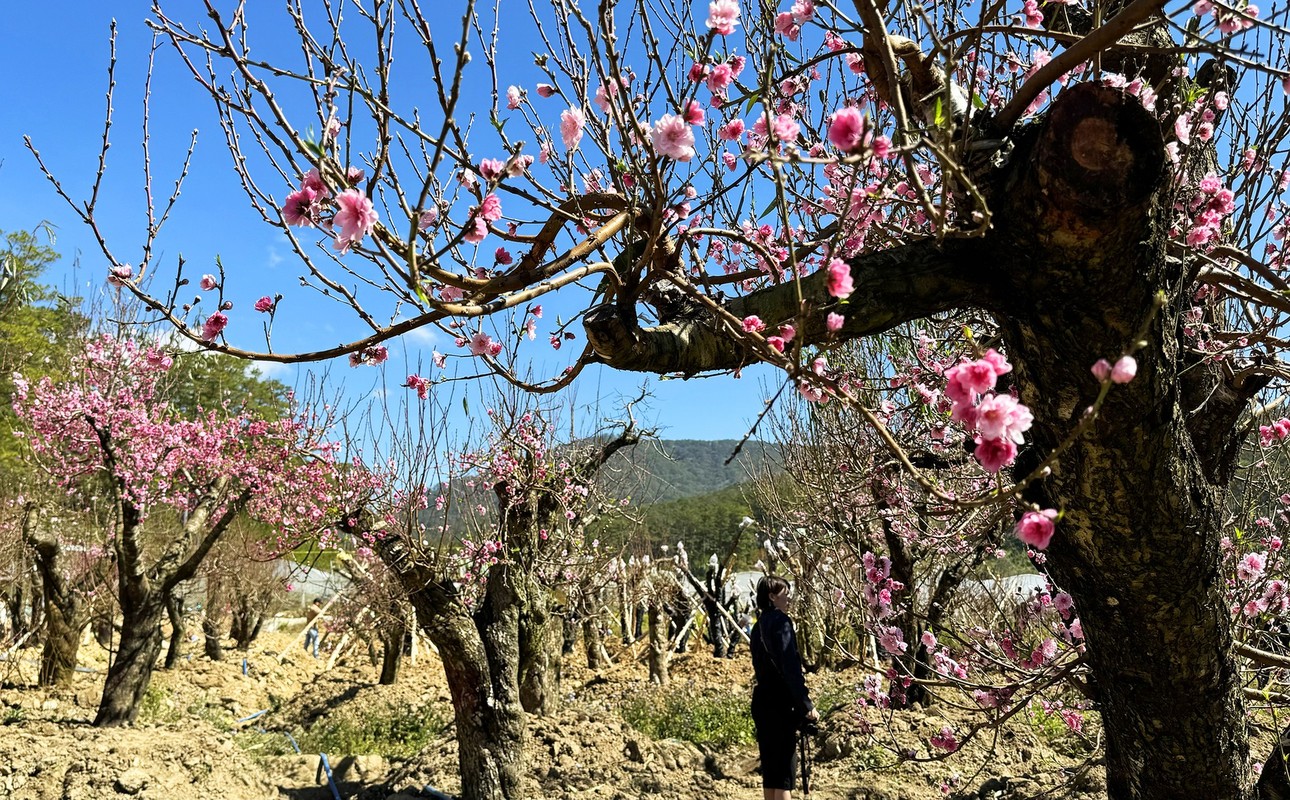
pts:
pixel 779 693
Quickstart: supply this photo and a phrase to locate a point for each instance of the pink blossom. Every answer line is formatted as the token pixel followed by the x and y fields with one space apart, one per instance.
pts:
pixel 1124 370
pixel 694 113
pixel 420 384
pixel 1251 566
pixel 785 128
pixel 833 322
pixel 849 131
pixel 503 256
pixel 1034 17
pixel 208 282
pixel 1101 370
pixel 776 343
pixel 720 78
pixel 314 183
pixel 753 324
pixel 214 326
pixel 572 121
pixel 355 216
pixel 1000 416
pixel 476 230
pixel 892 640
pixel 376 354
pixel 513 97
pixel 300 208
pixel 121 273
pixel 971 378
pixel 491 168
pixel 944 740
pixel 928 639
pixel 1035 528
pixel 787 331
pixel 673 138
pixel 723 16
pixel 840 284
pixel 994 454
pixel 732 130
pixel 264 304
pixel 786 26
pixel 481 344
pixel 545 89
pixel 440 360
pixel 490 210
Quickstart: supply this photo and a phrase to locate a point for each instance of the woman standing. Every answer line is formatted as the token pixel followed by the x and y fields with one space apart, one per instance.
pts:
pixel 781 704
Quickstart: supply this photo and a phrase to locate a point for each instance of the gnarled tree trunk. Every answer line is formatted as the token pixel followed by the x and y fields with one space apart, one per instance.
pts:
pixel 175 613
pixel 65 610
pixel 480 657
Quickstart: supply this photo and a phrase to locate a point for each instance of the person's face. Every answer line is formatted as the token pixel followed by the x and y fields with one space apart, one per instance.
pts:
pixel 781 600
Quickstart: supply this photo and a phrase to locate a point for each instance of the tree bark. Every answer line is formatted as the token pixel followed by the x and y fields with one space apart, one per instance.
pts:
pixel 480 657
pixel 660 646
pixel 131 670
pixel 175 613
pixel 392 649
pixel 65 618
pixel 212 635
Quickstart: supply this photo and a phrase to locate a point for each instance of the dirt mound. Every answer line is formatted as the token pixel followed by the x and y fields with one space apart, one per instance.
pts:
pixel 188 761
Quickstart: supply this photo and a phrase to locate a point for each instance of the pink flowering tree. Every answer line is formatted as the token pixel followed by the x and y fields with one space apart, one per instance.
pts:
pixel 191 476
pixel 743 183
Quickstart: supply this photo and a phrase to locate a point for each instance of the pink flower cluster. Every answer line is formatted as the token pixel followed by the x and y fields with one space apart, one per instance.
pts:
pixel 161 456
pixel 849 130
pixel 354 213
pixel 999 419
pixel 375 355
pixel 1210 207
pixel 1276 432
pixel 789 23
pixel 1229 21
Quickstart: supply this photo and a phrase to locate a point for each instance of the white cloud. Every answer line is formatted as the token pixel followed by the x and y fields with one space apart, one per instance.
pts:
pixel 274 370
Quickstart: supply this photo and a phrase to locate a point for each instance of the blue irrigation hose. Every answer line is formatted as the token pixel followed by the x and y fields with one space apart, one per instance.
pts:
pixel 253 716
pixel 244 666
pixel 292 739
pixel 331 781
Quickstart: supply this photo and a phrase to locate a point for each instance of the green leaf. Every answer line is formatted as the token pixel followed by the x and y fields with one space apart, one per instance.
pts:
pixel 465 406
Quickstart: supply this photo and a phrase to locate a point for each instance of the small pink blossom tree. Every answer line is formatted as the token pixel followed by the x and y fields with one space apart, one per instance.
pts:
pixel 110 424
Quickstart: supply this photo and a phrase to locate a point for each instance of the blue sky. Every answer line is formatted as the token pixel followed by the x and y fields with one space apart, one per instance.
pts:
pixel 56 56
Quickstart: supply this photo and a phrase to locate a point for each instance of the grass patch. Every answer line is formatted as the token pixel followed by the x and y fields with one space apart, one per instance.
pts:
pixel 387 731
pixel 709 717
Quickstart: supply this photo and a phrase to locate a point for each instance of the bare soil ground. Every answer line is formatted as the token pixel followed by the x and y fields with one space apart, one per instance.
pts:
pixel 193 741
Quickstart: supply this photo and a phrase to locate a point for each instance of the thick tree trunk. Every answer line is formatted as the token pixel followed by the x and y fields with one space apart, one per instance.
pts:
pixel 65 616
pixel 175 612
pixel 392 651
pixel 62 642
pixel 1138 547
pixel 660 646
pixel 593 643
pixel 212 636
pixel 539 658
pixel 130 672
pixel 480 658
